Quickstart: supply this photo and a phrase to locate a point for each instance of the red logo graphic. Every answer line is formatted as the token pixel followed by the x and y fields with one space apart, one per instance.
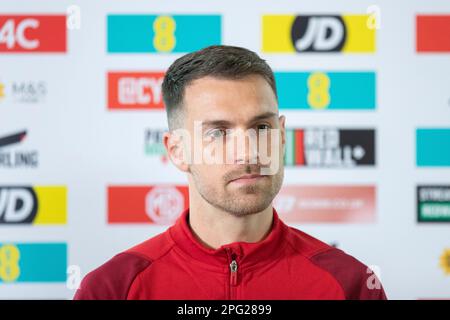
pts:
pixel 137 90
pixel 319 204
pixel 161 204
pixel 33 33
pixel 433 33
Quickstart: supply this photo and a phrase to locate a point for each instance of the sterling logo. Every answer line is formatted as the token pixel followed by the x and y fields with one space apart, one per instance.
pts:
pixel 12 139
pixel 317 33
pixel 17 159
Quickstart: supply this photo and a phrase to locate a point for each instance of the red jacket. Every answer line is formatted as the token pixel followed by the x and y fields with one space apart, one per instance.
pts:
pixel 287 264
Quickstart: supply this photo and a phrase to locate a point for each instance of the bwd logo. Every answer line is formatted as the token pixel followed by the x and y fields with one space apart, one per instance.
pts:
pixel 136 90
pixel 28 92
pixel 32 33
pixel 17 159
pixel 160 204
pixel 330 147
pixel 33 205
pixel 433 203
pixel 154 145
pixel 318 33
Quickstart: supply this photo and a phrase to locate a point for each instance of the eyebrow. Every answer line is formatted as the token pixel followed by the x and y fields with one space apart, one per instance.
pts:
pixel 266 115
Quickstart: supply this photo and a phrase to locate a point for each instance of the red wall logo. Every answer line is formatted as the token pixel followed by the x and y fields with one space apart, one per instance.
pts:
pixel 161 204
pixel 137 90
pixel 433 33
pixel 33 33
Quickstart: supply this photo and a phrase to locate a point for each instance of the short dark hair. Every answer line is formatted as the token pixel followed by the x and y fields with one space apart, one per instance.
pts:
pixel 221 61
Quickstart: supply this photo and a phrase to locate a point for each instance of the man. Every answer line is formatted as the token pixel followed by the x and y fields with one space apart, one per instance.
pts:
pixel 230 243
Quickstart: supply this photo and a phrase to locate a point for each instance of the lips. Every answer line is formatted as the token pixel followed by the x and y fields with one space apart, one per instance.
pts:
pixel 248 178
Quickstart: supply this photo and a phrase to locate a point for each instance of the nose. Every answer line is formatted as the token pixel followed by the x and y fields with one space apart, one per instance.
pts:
pixel 245 147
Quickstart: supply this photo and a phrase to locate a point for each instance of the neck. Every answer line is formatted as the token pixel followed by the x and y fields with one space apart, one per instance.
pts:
pixel 214 227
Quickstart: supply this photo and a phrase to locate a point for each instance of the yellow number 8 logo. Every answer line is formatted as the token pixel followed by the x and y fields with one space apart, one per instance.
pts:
pixel 318 95
pixel 164 28
pixel 9 263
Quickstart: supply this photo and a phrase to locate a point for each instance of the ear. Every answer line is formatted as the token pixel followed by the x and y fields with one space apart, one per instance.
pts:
pixel 176 150
pixel 282 123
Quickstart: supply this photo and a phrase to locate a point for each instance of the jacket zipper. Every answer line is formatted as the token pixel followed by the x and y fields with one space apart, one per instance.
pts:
pixel 233 275
pixel 233 272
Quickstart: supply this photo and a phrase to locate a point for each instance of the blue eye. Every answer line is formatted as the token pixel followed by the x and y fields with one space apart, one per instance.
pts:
pixel 263 127
pixel 217 133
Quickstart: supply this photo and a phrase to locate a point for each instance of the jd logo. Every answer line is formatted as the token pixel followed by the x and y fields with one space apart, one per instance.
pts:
pixel 17 205
pixel 318 33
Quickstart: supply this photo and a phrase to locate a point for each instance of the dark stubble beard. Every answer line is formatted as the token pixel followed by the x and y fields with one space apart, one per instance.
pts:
pixel 244 200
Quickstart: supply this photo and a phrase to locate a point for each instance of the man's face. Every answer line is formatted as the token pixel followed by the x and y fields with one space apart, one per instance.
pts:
pixel 230 111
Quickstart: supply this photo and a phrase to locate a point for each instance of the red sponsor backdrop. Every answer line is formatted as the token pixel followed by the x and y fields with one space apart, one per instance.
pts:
pixel 33 33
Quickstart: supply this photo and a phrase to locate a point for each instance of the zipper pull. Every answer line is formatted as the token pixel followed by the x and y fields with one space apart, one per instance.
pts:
pixel 233 274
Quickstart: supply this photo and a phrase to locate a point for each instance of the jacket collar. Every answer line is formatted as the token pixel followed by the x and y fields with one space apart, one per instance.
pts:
pixel 245 253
